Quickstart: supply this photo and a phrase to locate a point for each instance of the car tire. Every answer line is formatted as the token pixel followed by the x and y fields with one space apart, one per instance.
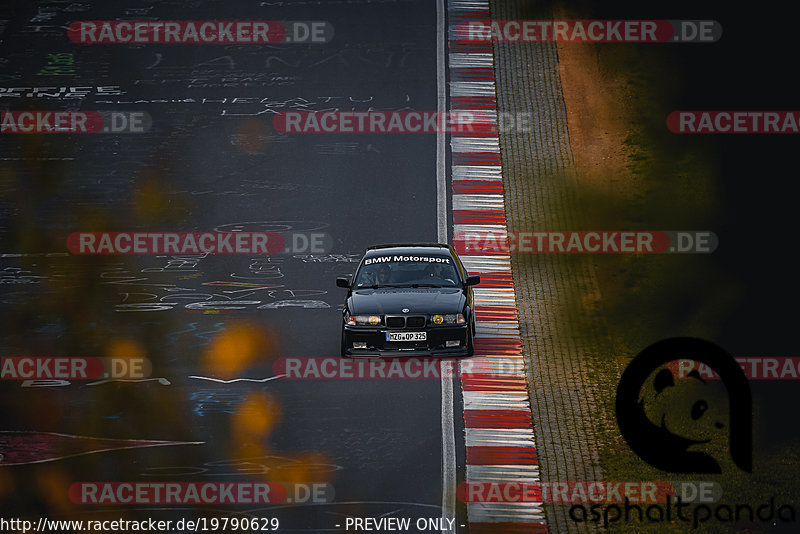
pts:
pixel 471 339
pixel 343 346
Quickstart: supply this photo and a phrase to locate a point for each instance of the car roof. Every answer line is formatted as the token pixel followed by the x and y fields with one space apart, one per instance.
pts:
pixel 409 248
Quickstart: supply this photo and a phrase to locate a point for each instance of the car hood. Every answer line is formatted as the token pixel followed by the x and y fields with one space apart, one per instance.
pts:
pixel 417 300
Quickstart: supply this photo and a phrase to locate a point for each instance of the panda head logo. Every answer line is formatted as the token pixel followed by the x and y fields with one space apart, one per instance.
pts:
pixel 673 423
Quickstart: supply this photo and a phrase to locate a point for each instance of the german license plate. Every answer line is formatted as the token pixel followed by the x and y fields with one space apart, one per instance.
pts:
pixel 406 336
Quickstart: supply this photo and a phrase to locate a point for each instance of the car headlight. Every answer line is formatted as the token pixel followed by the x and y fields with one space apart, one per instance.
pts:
pixel 450 318
pixel 361 320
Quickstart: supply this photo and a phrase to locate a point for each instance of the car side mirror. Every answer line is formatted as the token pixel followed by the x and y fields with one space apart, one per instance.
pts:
pixel 343 282
pixel 472 281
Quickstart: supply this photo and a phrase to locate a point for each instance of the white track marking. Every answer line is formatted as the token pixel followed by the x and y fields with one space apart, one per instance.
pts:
pixel 448 430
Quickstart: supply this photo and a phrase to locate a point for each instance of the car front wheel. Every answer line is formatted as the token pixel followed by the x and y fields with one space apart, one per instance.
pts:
pixel 471 339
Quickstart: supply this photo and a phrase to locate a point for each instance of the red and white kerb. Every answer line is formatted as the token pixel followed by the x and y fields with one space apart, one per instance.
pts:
pixel 497 413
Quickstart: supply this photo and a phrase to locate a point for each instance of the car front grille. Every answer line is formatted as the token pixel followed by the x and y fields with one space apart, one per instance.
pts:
pixel 413 321
pixel 395 322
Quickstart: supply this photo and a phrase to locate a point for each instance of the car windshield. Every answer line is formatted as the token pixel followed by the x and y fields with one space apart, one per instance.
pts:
pixel 426 272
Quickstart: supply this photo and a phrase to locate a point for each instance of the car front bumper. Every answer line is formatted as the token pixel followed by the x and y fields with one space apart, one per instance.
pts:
pixel 378 346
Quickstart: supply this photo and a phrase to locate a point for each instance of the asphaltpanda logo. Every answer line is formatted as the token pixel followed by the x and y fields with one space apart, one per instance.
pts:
pixel 685 424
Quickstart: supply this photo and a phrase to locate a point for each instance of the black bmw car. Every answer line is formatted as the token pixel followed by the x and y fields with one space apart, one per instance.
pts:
pixel 408 300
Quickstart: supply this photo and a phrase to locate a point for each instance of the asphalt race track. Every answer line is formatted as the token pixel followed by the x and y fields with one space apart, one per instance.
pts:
pixel 212 162
pixel 183 181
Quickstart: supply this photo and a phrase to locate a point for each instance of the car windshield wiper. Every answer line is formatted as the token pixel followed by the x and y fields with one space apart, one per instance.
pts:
pixel 378 286
pixel 426 285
